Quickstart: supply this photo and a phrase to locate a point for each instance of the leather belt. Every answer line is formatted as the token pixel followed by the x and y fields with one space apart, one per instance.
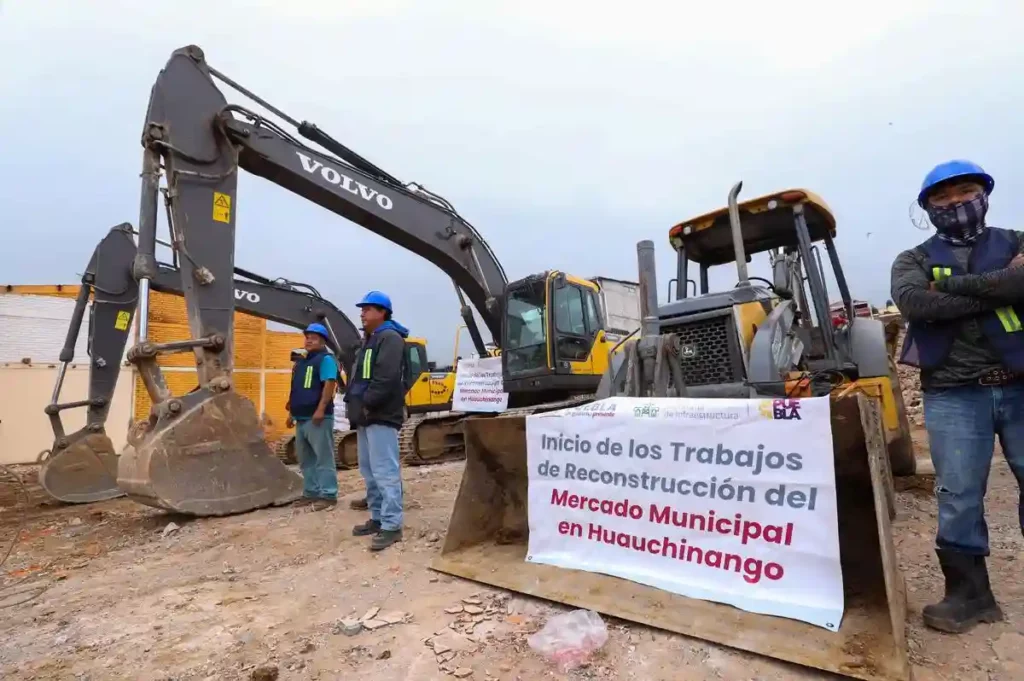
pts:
pixel 1000 377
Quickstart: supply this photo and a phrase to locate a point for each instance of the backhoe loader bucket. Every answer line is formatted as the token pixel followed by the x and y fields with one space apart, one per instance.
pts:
pixel 488 534
pixel 206 456
pixel 83 472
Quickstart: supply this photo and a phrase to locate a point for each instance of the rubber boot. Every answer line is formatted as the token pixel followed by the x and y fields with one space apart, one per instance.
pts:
pixel 969 599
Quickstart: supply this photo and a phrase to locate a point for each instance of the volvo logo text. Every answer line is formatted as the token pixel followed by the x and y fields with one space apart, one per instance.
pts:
pixel 336 177
pixel 247 295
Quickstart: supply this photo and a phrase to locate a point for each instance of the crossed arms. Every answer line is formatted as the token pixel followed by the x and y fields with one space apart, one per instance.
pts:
pixel 920 299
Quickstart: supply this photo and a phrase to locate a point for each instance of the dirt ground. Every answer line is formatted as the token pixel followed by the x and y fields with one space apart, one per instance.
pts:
pixel 114 591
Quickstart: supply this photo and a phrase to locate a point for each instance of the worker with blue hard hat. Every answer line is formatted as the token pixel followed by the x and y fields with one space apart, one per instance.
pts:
pixel 311 410
pixel 375 406
pixel 962 294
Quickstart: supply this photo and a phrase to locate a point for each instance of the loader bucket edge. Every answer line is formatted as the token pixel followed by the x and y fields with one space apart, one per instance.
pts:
pixel 486 541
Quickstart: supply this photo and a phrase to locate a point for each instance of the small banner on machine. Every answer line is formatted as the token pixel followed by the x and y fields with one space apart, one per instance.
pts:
pixel 732 501
pixel 479 386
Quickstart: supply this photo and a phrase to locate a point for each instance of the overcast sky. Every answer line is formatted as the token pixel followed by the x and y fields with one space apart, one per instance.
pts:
pixel 564 132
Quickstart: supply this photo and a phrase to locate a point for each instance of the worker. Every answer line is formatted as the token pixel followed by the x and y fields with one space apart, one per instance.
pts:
pixel 957 291
pixel 311 410
pixel 375 404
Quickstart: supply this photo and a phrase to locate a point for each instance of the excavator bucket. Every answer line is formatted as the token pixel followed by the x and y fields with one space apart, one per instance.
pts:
pixel 205 455
pixel 488 534
pixel 83 472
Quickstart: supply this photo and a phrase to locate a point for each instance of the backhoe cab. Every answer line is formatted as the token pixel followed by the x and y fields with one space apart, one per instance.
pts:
pixel 750 341
pixel 775 337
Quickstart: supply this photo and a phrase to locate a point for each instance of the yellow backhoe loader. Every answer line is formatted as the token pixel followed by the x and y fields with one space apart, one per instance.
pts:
pixel 753 341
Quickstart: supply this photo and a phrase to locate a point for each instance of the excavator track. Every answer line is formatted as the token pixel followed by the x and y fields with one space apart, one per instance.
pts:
pixel 284 449
pixel 432 438
pixel 437 438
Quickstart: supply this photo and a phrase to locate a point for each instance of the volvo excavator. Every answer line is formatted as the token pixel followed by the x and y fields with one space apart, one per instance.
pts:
pixel 548 327
pixel 81 467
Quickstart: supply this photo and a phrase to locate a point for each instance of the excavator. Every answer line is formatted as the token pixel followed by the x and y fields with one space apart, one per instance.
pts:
pixel 81 467
pixel 761 340
pixel 547 327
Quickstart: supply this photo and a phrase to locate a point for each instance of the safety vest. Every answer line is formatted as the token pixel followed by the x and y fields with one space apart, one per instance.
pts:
pixel 928 343
pixel 307 386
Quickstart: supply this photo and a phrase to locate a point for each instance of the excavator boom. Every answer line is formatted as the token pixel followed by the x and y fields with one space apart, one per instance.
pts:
pixel 203 141
pixel 82 467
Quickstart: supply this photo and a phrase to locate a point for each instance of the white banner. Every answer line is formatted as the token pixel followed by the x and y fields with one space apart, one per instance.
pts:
pixel 732 501
pixel 479 386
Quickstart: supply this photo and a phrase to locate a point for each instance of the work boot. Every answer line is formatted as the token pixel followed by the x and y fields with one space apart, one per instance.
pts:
pixel 968 600
pixel 359 504
pixel 324 504
pixel 371 526
pixel 304 501
pixel 384 539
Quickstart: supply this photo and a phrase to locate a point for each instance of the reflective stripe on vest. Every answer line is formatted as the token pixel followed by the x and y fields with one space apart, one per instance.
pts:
pixel 1007 315
pixel 307 381
pixel 367 363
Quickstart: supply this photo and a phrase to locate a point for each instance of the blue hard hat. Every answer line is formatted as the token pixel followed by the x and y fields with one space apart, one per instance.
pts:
pixel 951 170
pixel 316 327
pixel 376 298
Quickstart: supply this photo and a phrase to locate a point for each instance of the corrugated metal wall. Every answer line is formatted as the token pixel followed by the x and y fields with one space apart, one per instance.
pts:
pixel 262 365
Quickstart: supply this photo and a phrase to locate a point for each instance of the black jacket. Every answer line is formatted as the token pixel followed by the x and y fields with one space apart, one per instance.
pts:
pixel 376 391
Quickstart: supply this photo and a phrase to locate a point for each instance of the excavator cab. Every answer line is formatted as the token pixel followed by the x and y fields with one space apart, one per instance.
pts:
pixel 431 391
pixel 554 341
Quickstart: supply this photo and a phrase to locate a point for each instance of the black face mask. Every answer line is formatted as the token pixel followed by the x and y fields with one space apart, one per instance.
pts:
pixel 960 223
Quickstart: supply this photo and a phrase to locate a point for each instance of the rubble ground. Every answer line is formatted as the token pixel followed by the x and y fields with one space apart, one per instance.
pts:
pixel 115 590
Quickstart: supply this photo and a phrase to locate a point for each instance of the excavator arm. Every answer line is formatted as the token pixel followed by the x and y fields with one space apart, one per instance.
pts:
pixel 202 141
pixel 82 466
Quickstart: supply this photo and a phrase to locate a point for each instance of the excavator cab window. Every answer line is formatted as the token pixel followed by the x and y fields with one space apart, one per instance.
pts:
pixel 416 359
pixel 575 322
pixel 527 341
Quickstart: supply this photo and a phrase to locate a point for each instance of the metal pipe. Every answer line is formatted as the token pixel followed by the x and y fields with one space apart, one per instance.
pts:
pixel 143 310
pixel 737 235
pixel 61 371
pixel 648 277
pixel 145 268
pixel 837 271
pixel 681 267
pixel 816 281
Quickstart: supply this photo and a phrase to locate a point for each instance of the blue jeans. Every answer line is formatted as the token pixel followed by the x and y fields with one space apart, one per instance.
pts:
pixel 962 425
pixel 314 448
pixel 379 464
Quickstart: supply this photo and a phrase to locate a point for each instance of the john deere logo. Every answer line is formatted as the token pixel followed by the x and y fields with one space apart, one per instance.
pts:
pixel 688 351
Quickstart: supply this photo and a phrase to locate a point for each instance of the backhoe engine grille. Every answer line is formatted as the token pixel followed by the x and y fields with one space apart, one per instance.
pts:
pixel 709 350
